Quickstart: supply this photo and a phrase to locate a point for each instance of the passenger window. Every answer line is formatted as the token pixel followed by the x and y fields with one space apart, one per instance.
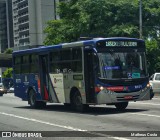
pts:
pixel 33 65
pixel 17 60
pixel 66 55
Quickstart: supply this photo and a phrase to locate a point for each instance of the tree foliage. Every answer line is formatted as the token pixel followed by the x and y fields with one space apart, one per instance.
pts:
pixel 153 56
pixel 107 18
pixel 8 51
pixel 8 72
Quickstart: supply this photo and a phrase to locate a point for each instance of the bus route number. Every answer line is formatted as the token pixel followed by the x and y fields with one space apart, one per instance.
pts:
pixel 65 70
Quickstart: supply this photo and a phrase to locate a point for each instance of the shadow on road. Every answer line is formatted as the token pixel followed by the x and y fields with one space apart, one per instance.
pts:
pixel 92 110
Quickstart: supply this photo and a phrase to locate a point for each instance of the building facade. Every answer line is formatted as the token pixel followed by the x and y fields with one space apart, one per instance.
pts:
pixel 6 25
pixel 3 26
pixel 29 20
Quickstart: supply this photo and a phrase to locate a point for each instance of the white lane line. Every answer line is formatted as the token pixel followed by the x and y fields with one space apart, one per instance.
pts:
pixel 62 126
pixel 149 115
pixel 144 103
pixel 119 138
pixel 39 121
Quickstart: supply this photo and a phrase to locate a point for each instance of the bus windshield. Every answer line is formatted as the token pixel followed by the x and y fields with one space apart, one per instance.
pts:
pixel 122 65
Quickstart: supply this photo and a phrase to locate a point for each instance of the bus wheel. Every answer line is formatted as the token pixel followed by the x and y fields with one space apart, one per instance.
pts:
pixel 76 102
pixel 121 106
pixel 32 100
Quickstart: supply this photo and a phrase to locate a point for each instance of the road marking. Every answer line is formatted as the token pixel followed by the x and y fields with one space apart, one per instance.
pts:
pixel 144 103
pixel 149 115
pixel 118 138
pixel 39 121
pixel 63 126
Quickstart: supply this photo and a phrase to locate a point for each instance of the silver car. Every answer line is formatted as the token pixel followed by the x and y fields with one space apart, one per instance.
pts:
pixel 155 82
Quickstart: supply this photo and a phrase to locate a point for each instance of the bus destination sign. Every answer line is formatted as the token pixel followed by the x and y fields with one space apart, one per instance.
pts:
pixel 121 44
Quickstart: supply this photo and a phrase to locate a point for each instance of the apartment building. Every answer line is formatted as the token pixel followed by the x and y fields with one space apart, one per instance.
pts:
pixel 29 20
pixel 6 25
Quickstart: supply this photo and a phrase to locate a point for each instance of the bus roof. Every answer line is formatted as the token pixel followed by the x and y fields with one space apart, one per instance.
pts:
pixel 72 44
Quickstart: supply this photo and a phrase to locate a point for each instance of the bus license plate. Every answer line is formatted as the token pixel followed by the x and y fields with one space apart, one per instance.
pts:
pixel 128 97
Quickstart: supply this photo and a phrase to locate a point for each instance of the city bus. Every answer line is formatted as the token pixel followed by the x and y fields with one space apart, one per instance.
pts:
pixel 109 71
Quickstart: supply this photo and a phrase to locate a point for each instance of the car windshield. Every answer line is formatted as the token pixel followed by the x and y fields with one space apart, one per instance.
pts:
pixel 122 65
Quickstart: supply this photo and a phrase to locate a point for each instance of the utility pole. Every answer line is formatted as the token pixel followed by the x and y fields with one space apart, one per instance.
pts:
pixel 140 19
pixel 55 10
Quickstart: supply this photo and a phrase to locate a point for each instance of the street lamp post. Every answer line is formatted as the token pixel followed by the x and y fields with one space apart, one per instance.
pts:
pixel 55 10
pixel 140 18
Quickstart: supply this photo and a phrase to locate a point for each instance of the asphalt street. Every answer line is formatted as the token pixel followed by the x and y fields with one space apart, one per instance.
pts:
pixel 140 120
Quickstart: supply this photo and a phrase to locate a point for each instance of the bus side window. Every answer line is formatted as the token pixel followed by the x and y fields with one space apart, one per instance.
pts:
pixel 76 54
pixel 55 56
pixel 33 63
pixel 25 66
pixel 55 59
pixel 77 60
pixel 66 60
pixel 17 64
pixel 66 56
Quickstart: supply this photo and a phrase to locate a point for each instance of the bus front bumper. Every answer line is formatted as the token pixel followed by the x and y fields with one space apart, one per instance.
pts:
pixel 106 96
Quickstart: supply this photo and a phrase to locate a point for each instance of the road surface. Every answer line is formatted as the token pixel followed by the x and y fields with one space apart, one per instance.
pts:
pixel 99 122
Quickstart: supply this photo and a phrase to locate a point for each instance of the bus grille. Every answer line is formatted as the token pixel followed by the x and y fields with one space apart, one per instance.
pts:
pixel 130 99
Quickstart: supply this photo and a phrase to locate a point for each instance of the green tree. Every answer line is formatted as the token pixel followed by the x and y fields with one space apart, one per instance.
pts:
pixel 8 72
pixel 153 56
pixel 8 51
pixel 103 18
pixel 54 32
pixel 107 18
pixel 151 18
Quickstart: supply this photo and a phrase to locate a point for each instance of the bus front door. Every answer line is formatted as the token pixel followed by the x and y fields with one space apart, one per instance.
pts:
pixel 89 76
